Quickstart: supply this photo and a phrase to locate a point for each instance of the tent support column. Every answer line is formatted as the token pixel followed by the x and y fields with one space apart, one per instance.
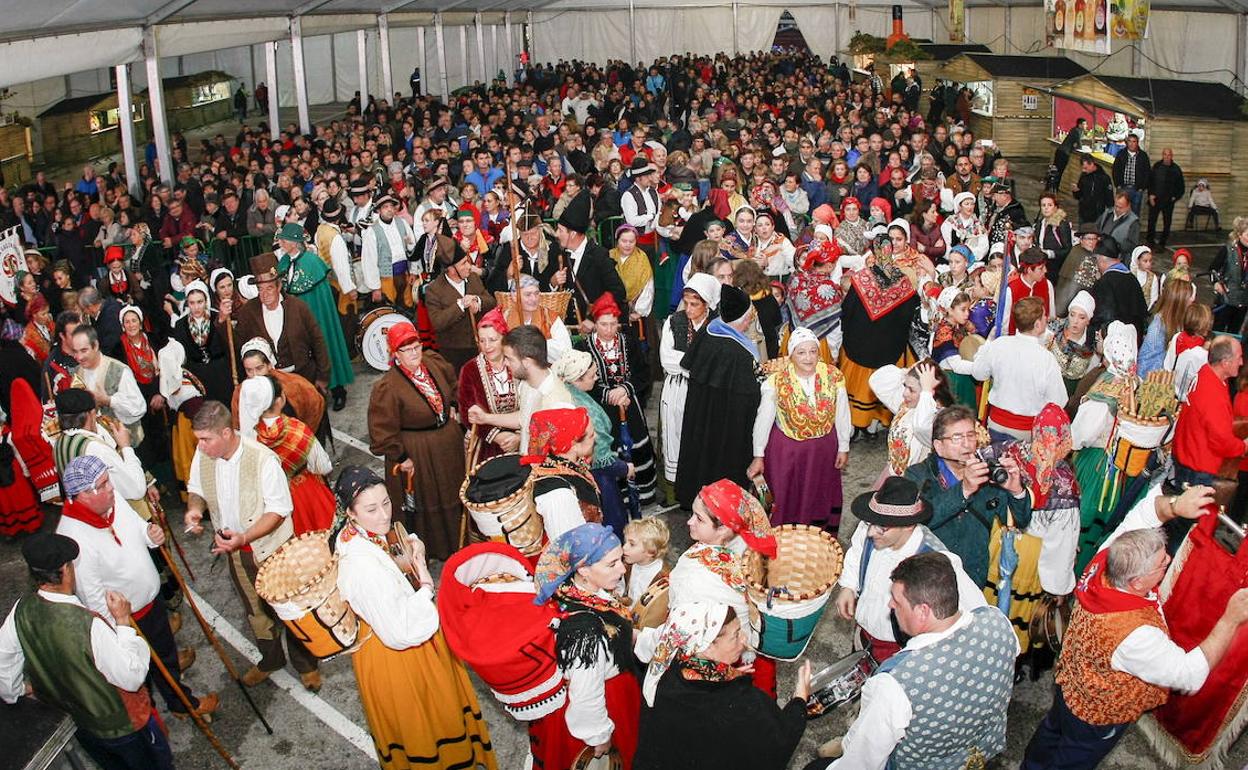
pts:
pixel 463 54
pixel 361 58
pixel 530 37
pixel 1009 42
pixel 1241 52
pixel 476 22
pixel 383 52
pixel 301 81
pixel 426 85
pixel 494 49
pixel 736 46
pixel 836 30
pixel 270 68
pixel 632 33
pixel 125 121
pixel 156 106
pixel 510 67
pixel 441 46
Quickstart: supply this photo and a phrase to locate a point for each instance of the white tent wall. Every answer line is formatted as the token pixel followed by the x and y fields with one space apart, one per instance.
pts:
pixel 595 36
pixel 756 27
pixel 405 56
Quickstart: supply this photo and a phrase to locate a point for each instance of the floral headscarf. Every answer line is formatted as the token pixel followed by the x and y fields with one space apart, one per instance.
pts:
pixel 690 629
pixel 578 547
pixel 1050 444
pixel 741 513
pixel 553 432
pixel 1120 349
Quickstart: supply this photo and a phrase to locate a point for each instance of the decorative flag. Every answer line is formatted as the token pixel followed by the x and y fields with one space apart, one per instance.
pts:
pixel 957 21
pixel 12 259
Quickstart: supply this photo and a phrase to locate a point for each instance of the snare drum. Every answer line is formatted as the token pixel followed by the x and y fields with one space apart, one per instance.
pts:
pixel 839 683
pixel 371 337
pixel 300 582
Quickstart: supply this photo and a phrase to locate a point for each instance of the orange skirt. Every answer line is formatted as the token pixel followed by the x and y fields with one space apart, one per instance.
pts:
pixel 183 447
pixel 863 404
pixel 313 501
pixel 420 706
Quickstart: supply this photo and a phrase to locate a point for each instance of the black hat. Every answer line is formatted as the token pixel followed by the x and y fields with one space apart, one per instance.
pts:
pixel 1087 228
pixel 438 181
pixel 73 401
pixel 895 504
pixel 448 251
pixel 733 303
pixel 47 551
pixel 576 216
pixel 331 210
pixel 527 220
pixel 1001 187
pixel 640 165
pixel 359 187
pixel 1108 247
pixel 387 198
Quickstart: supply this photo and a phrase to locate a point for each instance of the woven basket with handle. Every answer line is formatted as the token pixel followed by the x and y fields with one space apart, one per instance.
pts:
pixel 554 301
pixel 807 565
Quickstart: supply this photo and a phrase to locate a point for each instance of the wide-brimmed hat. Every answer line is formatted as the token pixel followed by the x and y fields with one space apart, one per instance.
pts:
pixel 895 504
pixel 641 166
pixel 359 187
pixel 292 231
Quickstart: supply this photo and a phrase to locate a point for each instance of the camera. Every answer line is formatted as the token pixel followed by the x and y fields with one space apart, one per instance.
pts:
pixel 997 473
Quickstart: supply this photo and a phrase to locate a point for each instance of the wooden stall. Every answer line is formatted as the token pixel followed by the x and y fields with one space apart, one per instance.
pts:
pixel 889 63
pixel 83 127
pixel 15 150
pixel 1007 106
pixel 1203 123
pixel 196 100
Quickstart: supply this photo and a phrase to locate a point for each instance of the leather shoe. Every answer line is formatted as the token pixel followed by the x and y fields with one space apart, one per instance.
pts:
pixel 208 704
pixel 832 749
pixel 186 658
pixel 175 622
pixel 311 681
pixel 254 676
pixel 340 401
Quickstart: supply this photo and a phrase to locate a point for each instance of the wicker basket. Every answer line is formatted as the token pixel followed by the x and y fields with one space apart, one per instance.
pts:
pixel 300 581
pixel 513 519
pixel 554 301
pixel 791 590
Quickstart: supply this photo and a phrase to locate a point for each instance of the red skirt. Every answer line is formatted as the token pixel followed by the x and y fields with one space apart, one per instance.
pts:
pixel 314 503
pixel 19 510
pixel 554 748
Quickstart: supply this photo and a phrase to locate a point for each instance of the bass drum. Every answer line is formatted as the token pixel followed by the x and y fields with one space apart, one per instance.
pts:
pixel 371 337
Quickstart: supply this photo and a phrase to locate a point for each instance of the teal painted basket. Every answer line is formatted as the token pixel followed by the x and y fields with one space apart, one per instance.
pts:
pixel 791 591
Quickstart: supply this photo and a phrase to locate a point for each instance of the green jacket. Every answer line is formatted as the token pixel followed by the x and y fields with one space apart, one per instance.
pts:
pixel 965 525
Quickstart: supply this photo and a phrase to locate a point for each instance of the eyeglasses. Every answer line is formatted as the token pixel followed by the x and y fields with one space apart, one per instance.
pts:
pixel 960 438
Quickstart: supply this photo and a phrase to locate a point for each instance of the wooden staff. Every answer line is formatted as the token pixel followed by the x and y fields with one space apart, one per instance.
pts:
pixel 213 640
pixel 177 689
pixel 229 337
pixel 158 511
pixel 472 321
pixel 515 233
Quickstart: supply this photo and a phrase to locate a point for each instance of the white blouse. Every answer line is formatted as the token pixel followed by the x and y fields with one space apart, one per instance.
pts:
pixel 766 416
pixel 380 594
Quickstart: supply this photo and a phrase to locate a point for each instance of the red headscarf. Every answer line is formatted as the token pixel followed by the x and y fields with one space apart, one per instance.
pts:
pixel 825 253
pixel 399 335
pixel 494 320
pixel 741 513
pixel 114 253
pixel 886 206
pixel 604 305
pixel 850 200
pixel 36 303
pixel 553 432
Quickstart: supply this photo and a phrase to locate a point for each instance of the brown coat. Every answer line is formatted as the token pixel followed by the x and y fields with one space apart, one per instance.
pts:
pixel 451 324
pixel 302 345
pixel 302 398
pixel 402 425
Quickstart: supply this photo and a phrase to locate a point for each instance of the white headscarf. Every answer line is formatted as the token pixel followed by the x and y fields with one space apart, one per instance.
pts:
pixel 200 286
pixel 825 231
pixel 706 287
pixel 1136 253
pixel 799 336
pixel 254 399
pixel 212 279
pixel 1120 348
pixel 572 365
pixel 903 224
pixel 260 345
pixel 1084 302
pixel 957 201
pixel 947 295
pixel 247 287
pixel 690 629
pixel 121 314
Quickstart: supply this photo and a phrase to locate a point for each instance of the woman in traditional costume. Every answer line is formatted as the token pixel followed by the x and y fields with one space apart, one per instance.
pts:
pixel 1091 431
pixel 914 396
pixel 964 228
pixel 580 570
pixel 304 460
pixel 1072 344
pixel 633 265
pixel 410 426
pixel 704 710
pixel 851 233
pixel 772 250
pixel 953 326
pixel 565 492
pixel 1142 269
pixel 814 296
pixel 203 340
pixel 802 422
pixel 876 316
pixel 138 351
pixel 487 382
pixel 40 329
pixel 956 271
pixel 27 471
pixel 739 244
pixel 576 368
pixel 306 275
pixel 622 389
pixel 529 311
pixel 701 297
pixel 417 697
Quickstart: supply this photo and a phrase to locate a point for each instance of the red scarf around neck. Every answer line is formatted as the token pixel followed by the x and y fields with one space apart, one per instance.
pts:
pixel 80 512
pixel 1096 595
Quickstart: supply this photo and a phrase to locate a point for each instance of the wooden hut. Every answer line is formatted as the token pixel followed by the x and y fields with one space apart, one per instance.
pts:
pixel 1006 106
pixel 15 150
pixel 83 127
pixel 196 100
pixel 1203 123
pixel 889 63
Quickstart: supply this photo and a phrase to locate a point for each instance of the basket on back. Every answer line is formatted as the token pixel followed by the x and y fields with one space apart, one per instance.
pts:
pixel 1144 421
pixel 554 301
pixel 791 590
pixel 498 494
pixel 300 581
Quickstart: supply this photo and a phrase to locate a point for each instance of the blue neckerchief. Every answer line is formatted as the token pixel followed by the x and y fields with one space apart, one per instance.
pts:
pixel 1117 267
pixel 946 475
pixel 718 328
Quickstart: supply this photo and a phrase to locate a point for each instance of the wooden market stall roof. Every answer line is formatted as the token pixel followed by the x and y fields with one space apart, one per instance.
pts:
pixel 75 104
pixel 1153 97
pixel 1019 67
pixel 946 51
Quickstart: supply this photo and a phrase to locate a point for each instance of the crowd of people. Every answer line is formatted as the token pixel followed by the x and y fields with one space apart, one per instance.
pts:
pixel 798 261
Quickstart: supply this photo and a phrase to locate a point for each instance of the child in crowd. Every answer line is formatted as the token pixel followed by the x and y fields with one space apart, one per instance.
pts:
pixel 645 551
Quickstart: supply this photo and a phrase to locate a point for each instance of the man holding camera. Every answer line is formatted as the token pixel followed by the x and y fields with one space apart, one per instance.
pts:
pixel 967 492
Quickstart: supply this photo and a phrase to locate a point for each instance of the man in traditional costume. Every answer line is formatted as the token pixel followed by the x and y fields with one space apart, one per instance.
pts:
pixel 724 379
pixel 524 350
pixel 455 299
pixel 1117 660
pixel 1024 375
pixel 384 251
pixel 81 663
pixel 1029 281
pixel 538 257
pixel 641 202
pixel 113 543
pixel 911 719
pixel 333 249
pixel 701 299
pixel 110 382
pixel 58 370
pixel 586 268
pixel 1117 293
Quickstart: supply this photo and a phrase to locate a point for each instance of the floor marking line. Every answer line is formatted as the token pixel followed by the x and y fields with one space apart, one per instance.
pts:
pixel 353 442
pixel 318 706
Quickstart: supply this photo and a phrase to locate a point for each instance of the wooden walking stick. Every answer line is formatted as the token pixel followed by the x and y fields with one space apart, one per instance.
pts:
pixel 229 338
pixel 515 233
pixel 177 689
pixel 158 511
pixel 206 627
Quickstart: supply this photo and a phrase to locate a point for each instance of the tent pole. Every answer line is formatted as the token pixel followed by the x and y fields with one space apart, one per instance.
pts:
pixel 156 106
pixel 510 67
pixel 463 54
pixel 632 33
pixel 441 45
pixel 476 22
pixel 836 30
pixel 383 52
pixel 361 58
pixel 301 81
pixel 1241 47
pixel 125 120
pixel 736 45
pixel 493 51
pixel 1009 42
pixel 532 36
pixel 426 86
pixel 270 67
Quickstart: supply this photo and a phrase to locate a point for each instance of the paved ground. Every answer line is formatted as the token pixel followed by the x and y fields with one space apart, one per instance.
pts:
pixel 328 731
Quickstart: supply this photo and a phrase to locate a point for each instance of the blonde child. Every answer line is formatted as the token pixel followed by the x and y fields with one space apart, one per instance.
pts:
pixel 645 548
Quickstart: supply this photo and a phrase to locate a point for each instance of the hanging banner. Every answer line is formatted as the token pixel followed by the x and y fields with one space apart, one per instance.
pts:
pixel 957 21
pixel 1129 19
pixel 12 259
pixel 1078 25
